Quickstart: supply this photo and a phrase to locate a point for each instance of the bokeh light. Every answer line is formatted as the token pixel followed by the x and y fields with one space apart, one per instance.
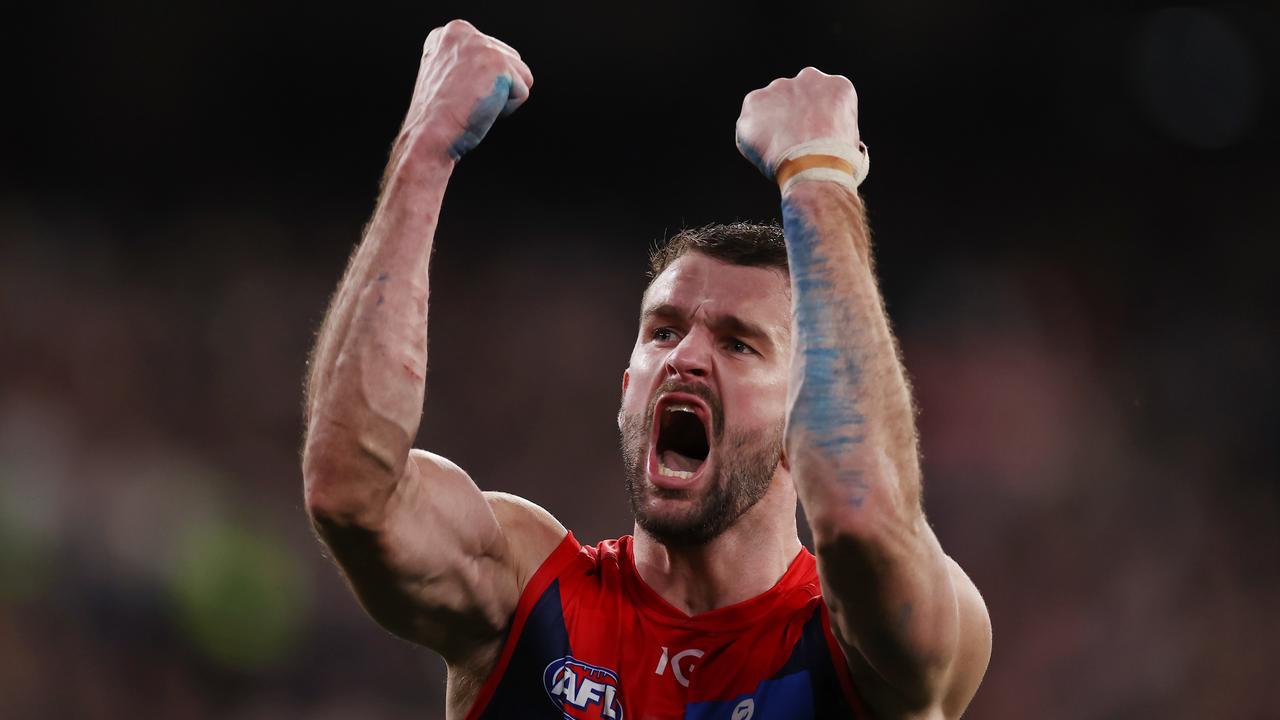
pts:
pixel 240 595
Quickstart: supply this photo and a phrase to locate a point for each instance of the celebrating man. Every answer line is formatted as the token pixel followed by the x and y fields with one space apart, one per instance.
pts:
pixel 764 371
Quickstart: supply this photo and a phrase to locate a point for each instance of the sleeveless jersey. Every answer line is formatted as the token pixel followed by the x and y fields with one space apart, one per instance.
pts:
pixel 591 641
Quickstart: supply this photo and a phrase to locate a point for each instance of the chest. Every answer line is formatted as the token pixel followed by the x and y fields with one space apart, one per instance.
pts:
pixel 606 658
pixel 671 665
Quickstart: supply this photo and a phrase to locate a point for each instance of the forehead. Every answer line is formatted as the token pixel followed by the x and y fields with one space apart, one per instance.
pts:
pixel 696 281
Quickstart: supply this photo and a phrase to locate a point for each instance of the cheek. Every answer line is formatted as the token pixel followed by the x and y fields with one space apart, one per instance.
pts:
pixel 774 411
pixel 639 380
pixel 771 401
pixel 761 404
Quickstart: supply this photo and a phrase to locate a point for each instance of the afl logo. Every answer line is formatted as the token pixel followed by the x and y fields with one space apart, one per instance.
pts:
pixel 590 689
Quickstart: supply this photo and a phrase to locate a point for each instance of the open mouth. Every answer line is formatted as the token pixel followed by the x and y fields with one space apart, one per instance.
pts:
pixel 681 439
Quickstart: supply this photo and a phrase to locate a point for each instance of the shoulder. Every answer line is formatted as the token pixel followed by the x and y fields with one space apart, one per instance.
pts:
pixel 531 532
pixel 517 513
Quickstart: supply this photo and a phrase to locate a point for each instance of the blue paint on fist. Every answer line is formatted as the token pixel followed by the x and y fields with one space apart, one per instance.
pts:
pixel 487 110
pixel 754 158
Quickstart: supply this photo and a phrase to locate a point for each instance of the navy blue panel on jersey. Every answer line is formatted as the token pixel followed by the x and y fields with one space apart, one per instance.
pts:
pixel 521 694
pixel 785 698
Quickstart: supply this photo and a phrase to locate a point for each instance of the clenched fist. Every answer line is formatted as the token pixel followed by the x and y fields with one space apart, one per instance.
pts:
pixel 805 127
pixel 465 81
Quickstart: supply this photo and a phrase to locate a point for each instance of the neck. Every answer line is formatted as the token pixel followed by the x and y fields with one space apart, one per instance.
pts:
pixel 744 561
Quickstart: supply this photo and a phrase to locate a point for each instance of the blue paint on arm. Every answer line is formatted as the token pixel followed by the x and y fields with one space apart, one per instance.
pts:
pixel 485 112
pixel 825 408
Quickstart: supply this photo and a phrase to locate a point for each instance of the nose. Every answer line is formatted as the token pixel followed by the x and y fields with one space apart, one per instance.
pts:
pixel 691 357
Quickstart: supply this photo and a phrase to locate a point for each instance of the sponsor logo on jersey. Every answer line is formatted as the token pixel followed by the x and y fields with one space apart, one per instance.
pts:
pixel 680 664
pixel 591 690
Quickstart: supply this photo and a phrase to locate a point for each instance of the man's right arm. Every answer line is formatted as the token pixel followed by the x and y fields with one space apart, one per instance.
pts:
pixel 426 552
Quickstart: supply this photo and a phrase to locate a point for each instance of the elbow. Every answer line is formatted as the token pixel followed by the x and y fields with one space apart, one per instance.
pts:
pixel 321 480
pixel 880 524
pixel 854 533
pixel 868 545
pixel 856 499
pixel 322 486
pixel 345 484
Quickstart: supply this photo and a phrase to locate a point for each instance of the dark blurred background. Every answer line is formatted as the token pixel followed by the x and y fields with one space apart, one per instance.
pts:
pixel 1076 221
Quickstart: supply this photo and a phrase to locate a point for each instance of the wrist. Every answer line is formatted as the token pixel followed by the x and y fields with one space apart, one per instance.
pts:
pixel 823 161
pixel 419 168
pixel 423 147
pixel 789 169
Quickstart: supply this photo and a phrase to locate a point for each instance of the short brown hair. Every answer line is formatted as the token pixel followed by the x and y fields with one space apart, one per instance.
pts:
pixel 738 243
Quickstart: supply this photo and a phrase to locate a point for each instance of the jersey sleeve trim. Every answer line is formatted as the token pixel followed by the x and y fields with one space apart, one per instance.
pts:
pixel 841 664
pixel 550 569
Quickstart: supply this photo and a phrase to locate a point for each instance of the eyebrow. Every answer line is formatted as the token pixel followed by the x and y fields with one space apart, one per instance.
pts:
pixel 722 322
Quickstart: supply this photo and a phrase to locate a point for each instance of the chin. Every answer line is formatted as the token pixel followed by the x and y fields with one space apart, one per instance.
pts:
pixel 686 516
pixel 683 488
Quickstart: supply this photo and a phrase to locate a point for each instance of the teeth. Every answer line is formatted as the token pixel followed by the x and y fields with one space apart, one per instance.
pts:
pixel 680 408
pixel 664 470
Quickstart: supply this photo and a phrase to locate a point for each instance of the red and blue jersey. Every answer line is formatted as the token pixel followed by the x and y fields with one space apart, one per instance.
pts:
pixel 591 641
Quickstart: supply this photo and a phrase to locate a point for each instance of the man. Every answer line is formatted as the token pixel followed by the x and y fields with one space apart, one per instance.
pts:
pixel 763 372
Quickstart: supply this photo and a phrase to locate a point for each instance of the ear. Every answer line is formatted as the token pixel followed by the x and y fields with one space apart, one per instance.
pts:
pixel 626 380
pixel 784 460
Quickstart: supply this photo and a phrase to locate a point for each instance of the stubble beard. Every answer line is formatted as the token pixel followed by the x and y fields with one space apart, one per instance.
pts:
pixel 746 461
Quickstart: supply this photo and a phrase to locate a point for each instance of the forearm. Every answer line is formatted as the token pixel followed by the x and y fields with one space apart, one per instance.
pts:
pixel 893 595
pixel 851 437
pixel 852 446
pixel 367 381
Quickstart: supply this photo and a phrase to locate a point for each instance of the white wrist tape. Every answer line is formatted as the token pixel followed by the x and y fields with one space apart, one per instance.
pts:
pixel 858 158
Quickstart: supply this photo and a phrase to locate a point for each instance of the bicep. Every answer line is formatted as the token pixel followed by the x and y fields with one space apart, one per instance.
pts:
pixel 435 566
pixel 896 602
pixel 974 651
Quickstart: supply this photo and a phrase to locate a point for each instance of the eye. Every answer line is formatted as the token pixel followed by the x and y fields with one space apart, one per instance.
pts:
pixel 662 334
pixel 737 346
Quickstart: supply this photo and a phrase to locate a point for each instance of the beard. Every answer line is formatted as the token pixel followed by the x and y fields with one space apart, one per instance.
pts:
pixel 746 461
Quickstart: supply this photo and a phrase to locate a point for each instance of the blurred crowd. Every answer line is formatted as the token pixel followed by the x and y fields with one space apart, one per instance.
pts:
pixel 1103 487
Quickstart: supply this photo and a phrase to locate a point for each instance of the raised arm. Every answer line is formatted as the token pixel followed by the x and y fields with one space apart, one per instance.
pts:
pixel 426 552
pixel 915 630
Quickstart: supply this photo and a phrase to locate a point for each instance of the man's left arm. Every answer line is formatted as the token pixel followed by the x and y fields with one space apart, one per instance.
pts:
pixel 894 596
